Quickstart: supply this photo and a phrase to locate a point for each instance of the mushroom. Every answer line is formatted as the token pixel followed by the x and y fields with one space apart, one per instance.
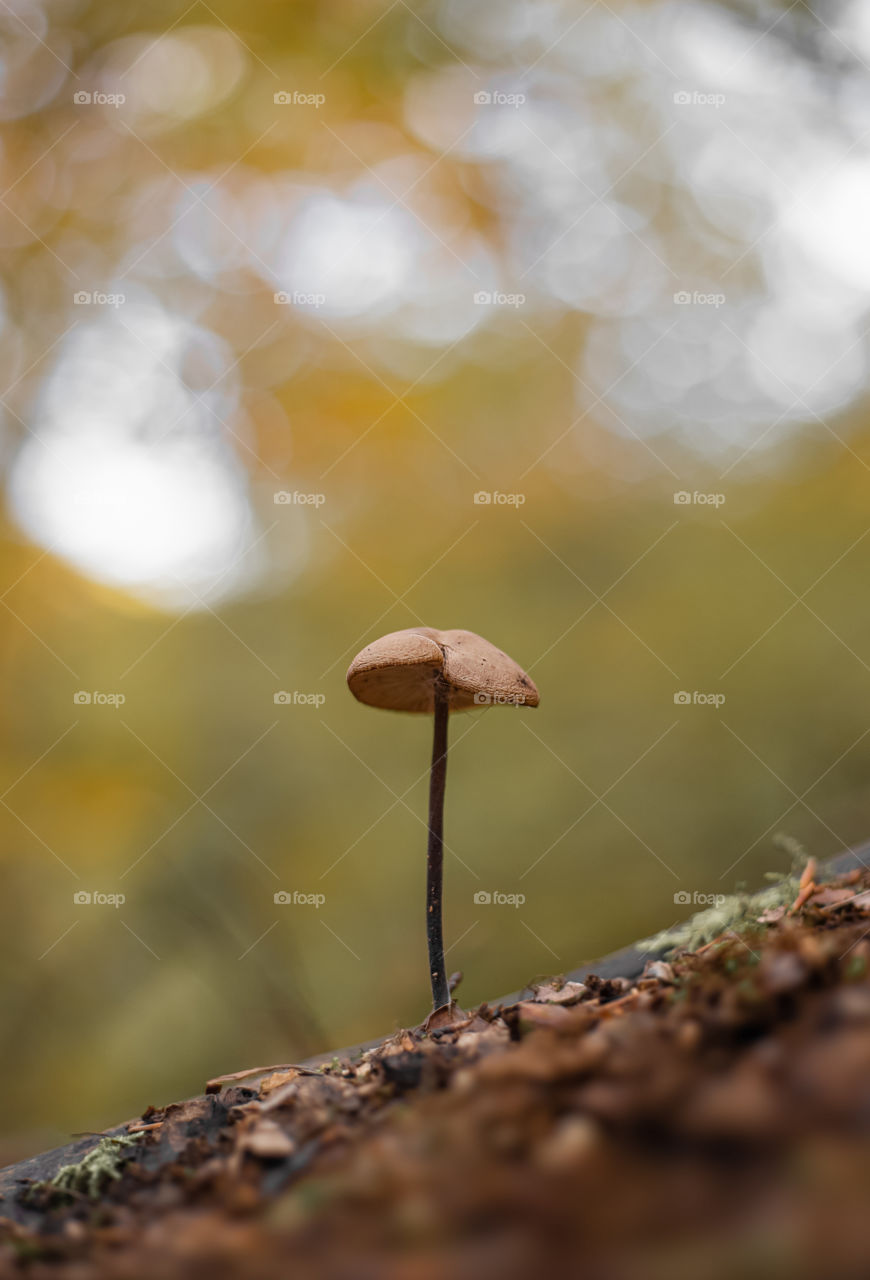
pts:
pixel 430 671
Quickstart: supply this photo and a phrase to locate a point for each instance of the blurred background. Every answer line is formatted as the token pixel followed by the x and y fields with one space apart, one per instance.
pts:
pixel 544 320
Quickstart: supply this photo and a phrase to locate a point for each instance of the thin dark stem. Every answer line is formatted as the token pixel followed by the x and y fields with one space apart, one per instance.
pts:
pixel 435 851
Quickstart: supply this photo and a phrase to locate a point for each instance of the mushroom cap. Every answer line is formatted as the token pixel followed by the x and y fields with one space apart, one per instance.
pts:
pixel 400 671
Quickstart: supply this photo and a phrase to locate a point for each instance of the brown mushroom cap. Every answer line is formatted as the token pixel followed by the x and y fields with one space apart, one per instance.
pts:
pixel 399 672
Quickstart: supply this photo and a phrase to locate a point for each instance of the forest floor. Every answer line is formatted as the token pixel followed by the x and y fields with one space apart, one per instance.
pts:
pixel 710 1117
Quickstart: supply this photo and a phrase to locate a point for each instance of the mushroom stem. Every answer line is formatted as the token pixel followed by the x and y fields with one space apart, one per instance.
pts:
pixel 435 851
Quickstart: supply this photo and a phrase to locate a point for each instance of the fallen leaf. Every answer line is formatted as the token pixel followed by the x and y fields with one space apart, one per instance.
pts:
pixel 277 1081
pixel 556 993
pixel 832 897
pixel 660 970
pixel 546 1015
pixel 215 1085
pixel 447 1016
pixel 267 1141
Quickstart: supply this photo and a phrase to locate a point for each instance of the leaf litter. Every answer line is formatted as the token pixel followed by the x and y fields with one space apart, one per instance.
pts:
pixel 710 1117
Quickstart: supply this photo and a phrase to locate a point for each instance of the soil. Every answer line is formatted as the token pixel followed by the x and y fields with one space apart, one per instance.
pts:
pixel 709 1117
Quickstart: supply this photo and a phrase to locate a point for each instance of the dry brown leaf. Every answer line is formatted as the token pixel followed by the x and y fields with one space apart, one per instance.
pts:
pixel 772 916
pixel 267 1141
pixel 548 1015
pixel 447 1016
pixel 833 899
pixel 660 970
pixel 494 1034
pixel 556 993
pixel 215 1085
pixel 830 897
pixel 277 1081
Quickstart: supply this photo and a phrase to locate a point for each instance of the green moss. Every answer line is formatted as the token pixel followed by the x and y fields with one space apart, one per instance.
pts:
pixel 737 912
pixel 98 1166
